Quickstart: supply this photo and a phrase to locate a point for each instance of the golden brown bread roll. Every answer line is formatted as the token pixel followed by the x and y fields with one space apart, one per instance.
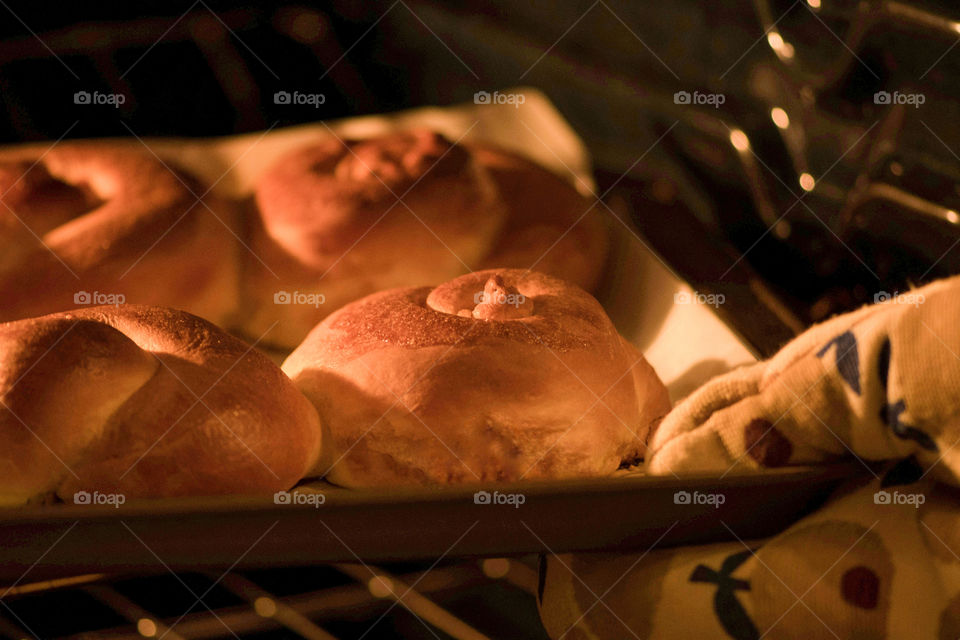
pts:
pixel 330 228
pixel 330 225
pixel 144 402
pixel 89 221
pixel 497 375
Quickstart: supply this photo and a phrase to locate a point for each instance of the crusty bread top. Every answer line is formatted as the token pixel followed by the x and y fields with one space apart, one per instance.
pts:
pixel 145 401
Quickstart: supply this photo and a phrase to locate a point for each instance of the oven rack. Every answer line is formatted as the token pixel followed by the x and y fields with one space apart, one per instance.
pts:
pixel 338 601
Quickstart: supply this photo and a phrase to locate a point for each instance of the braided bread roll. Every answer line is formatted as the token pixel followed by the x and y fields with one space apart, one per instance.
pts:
pixel 341 219
pixel 496 375
pixel 145 402
pixel 89 221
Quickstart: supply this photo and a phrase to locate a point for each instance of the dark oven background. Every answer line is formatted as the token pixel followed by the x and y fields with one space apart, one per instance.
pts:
pixel 742 223
pixel 791 230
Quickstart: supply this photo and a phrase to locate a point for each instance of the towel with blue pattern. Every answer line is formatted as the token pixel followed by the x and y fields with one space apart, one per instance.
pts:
pixel 880 560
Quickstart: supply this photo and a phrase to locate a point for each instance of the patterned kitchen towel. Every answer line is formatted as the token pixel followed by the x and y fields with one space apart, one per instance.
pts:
pixel 880 560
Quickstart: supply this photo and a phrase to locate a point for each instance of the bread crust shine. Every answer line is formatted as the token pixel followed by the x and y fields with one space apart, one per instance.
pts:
pixel 425 386
pixel 145 402
pixel 107 218
pixel 347 218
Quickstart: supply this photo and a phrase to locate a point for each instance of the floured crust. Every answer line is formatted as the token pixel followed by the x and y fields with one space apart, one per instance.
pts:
pixel 347 218
pixel 110 218
pixel 344 219
pixel 413 391
pixel 145 401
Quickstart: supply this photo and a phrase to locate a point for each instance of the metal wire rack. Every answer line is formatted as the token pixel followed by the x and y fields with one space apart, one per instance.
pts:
pixel 461 600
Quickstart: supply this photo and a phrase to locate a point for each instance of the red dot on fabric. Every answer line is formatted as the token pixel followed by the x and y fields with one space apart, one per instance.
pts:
pixel 860 587
pixel 766 445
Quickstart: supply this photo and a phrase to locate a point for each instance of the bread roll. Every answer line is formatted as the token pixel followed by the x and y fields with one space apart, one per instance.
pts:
pixel 331 229
pixel 88 222
pixel 497 375
pixel 145 402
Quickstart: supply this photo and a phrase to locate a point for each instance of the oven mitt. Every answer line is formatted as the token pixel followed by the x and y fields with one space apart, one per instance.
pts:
pixel 880 560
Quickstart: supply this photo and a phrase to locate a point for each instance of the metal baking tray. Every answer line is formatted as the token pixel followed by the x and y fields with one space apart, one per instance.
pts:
pixel 614 514
pixel 686 344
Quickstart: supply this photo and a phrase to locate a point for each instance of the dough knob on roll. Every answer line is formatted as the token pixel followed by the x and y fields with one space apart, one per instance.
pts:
pixel 84 221
pixel 497 375
pixel 145 402
pixel 499 301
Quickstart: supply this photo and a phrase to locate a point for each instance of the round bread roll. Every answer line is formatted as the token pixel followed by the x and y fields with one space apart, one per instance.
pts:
pixel 144 402
pixel 331 229
pixel 497 375
pixel 89 222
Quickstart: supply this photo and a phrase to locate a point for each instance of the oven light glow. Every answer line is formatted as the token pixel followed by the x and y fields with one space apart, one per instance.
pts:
pixel 739 140
pixel 265 607
pixel 814 4
pixel 380 586
pixel 496 567
pixel 782 230
pixel 146 627
pixel 780 117
pixel 779 45
pixel 807 182
pixel 953 216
